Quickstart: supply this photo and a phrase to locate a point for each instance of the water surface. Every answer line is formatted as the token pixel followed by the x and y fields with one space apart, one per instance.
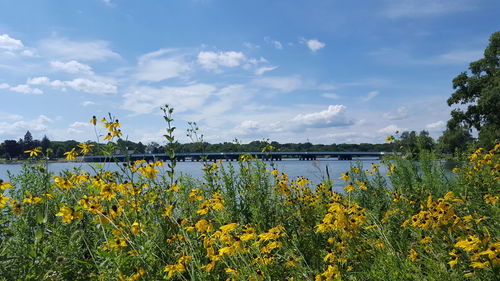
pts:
pixel 313 170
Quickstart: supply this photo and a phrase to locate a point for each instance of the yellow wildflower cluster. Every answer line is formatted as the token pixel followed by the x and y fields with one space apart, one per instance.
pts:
pixel 256 224
pixel 112 127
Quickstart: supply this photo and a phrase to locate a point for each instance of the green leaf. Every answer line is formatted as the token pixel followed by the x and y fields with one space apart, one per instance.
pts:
pixel 38 235
pixel 39 217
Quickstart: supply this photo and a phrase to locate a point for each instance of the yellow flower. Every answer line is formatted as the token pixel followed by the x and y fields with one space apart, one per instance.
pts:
pixel 469 244
pixel 85 148
pixel 136 228
pixel 426 240
pixel 362 185
pixel 348 188
pixel 490 199
pixel 33 152
pixel 345 176
pixel 203 226
pixel 478 264
pixel 229 227
pixel 230 270
pixel 93 121
pixel 108 137
pixel 3 200
pixel 69 214
pixel 5 185
pixel 32 199
pixel 389 139
pixel 454 258
pixel 168 211
pixel 71 155
pixel 413 255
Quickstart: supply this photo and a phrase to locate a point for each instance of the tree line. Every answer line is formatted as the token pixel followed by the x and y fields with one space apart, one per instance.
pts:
pixel 408 140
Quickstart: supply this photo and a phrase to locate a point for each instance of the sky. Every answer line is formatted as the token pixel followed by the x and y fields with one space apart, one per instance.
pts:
pixel 288 71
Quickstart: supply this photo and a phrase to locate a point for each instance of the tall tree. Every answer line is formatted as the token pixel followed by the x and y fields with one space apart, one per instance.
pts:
pixel 28 140
pixel 455 140
pixel 480 91
pixel 45 143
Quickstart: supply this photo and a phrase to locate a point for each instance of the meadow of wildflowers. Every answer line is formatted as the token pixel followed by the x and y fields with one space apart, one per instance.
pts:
pixel 415 222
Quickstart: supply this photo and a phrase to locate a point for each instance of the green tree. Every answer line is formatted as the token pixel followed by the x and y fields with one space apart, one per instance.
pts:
pixel 425 141
pixel 12 148
pixel 45 143
pixel 28 140
pixel 480 91
pixel 455 140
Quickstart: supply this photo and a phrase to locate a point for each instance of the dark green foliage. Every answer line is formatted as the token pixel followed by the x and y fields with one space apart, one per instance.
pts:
pixel 480 91
pixel 455 140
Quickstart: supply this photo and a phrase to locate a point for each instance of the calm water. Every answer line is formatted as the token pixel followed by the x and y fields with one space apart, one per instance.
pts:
pixel 313 170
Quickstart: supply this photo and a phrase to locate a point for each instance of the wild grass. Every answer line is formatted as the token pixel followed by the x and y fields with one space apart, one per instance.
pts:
pixel 252 222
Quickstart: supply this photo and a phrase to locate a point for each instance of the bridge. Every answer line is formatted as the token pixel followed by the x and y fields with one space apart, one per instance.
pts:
pixel 233 156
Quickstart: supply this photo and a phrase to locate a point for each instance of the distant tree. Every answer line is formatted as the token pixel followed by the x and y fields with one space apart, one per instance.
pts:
pixel 455 140
pixel 408 141
pixel 28 141
pixel 140 148
pixel 425 141
pixel 480 91
pixel 45 143
pixel 152 147
pixel 12 148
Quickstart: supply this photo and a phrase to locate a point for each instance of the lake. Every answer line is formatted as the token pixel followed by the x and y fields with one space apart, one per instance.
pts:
pixel 313 170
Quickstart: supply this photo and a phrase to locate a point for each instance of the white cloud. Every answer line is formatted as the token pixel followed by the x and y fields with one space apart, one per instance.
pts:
pixel 4 86
pixel 332 96
pixel 248 127
pixel 264 69
pixel 332 117
pixel 424 8
pixel 87 103
pixel 73 131
pixel 314 44
pixel 90 86
pixel 72 67
pixel 398 114
pixel 78 84
pixel 370 96
pixel 283 84
pixel 391 129
pixel 41 80
pixel 10 44
pixel 26 89
pixel 66 49
pixel 79 125
pixel 142 100
pixel 275 43
pixel 156 67
pixel 18 128
pixel 212 60
pixel 8 116
pixel 436 125
pixel 28 53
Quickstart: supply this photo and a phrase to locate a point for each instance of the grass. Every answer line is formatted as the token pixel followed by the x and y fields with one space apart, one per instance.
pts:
pixel 252 222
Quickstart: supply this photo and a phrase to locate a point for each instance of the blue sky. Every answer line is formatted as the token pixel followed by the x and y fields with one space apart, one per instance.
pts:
pixel 291 71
